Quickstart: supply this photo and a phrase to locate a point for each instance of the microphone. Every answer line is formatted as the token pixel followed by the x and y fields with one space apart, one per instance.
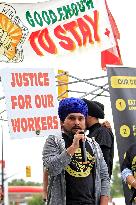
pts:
pixel 83 149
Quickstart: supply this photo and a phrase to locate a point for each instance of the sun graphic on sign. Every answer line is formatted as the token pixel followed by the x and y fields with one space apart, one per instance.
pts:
pixel 10 35
pixel 13 34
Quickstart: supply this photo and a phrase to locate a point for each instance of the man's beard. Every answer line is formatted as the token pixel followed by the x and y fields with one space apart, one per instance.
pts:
pixel 73 130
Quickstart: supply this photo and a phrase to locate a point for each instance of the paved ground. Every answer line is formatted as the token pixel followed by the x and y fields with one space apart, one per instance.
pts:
pixel 119 201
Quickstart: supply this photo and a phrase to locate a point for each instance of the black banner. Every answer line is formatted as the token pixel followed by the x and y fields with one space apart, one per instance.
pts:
pixel 122 87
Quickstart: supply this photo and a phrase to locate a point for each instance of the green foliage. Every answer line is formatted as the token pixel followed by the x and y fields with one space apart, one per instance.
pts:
pixel 22 182
pixel 35 200
pixel 116 183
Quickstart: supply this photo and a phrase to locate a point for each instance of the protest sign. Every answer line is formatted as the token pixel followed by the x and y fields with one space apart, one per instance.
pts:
pixel 56 29
pixel 122 84
pixel 31 100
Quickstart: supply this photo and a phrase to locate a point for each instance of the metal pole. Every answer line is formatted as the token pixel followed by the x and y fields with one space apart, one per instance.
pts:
pixel 2 169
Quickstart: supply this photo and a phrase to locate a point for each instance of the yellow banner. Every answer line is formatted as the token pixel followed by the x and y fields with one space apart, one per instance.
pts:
pixel 123 82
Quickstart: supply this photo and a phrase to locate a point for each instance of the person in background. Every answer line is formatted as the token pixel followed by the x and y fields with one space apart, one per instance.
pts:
pixel 102 134
pixel 128 171
pixel 72 182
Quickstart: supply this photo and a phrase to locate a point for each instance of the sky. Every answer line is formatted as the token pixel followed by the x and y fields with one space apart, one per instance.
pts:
pixel 20 153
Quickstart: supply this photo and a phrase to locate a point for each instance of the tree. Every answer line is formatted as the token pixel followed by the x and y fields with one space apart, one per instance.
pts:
pixel 22 182
pixel 116 183
pixel 35 200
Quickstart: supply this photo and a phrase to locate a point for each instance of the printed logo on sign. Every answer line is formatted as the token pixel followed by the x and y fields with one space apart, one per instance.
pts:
pixel 12 35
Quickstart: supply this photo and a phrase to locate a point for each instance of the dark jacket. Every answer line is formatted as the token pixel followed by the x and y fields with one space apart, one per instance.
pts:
pixel 104 137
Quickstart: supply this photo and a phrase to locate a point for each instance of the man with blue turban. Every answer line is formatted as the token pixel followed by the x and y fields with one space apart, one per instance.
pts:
pixel 72 182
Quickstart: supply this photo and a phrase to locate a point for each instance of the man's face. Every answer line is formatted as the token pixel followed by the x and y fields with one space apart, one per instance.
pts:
pixel 73 122
pixel 88 121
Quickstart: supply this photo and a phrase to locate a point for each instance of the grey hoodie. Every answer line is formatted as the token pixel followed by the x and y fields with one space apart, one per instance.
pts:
pixel 56 158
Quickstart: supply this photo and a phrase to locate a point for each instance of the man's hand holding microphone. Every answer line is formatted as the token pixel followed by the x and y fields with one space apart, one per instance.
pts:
pixel 78 141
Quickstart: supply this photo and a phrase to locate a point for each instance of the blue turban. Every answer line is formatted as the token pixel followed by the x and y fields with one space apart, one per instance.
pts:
pixel 71 105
